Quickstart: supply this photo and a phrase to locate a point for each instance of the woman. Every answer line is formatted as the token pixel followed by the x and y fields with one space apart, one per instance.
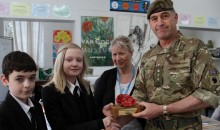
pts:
pixel 216 113
pixel 67 98
pixel 119 80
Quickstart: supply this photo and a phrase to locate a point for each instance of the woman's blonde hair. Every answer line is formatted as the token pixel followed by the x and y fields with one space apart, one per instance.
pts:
pixel 122 41
pixel 58 77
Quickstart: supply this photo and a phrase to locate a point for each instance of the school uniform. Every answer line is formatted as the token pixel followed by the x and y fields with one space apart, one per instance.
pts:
pixel 66 111
pixel 13 116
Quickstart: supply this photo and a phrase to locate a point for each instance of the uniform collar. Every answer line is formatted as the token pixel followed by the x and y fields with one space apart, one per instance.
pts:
pixel 72 86
pixel 24 106
pixel 170 47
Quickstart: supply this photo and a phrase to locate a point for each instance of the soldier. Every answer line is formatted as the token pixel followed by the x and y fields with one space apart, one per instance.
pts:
pixel 177 77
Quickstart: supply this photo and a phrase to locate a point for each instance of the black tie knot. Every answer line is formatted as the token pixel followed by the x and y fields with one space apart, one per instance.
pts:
pixel 76 90
pixel 31 110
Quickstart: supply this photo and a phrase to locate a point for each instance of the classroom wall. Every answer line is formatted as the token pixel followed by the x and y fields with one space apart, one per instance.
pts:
pixel 194 8
pixel 75 5
pixel 101 8
pixel 200 8
pixel 86 8
pixel 49 27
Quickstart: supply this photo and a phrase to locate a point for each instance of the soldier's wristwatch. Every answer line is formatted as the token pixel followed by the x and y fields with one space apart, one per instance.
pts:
pixel 165 111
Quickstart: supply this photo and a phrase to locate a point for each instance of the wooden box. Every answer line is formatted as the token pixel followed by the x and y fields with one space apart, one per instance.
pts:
pixel 121 111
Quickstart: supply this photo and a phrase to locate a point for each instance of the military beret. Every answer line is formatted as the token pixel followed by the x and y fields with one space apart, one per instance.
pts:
pixel 159 6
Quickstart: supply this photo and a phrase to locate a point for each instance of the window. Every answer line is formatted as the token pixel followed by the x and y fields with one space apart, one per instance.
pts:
pixel 27 37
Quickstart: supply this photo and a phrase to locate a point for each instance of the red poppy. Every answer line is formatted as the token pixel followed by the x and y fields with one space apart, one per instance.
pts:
pixel 125 100
pixel 86 26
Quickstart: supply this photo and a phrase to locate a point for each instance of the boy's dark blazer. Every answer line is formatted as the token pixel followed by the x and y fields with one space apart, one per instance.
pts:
pixel 13 117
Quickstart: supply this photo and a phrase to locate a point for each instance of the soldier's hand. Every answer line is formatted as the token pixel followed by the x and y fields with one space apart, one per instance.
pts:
pixel 151 111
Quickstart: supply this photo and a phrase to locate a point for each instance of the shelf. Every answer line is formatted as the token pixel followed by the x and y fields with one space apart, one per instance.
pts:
pixel 200 28
pixel 215 58
pixel 212 49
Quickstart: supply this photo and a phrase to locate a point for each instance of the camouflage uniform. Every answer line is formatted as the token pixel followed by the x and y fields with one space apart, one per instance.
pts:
pixel 171 74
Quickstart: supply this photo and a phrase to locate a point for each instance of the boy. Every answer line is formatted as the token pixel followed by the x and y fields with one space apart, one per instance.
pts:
pixel 19 73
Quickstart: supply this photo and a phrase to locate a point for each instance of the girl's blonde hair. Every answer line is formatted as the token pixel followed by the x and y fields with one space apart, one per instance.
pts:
pixel 58 78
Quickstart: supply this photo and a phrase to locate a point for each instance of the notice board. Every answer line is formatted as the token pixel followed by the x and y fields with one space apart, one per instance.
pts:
pixel 6 46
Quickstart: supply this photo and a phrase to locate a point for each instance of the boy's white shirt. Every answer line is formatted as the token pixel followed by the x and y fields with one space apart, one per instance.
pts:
pixel 24 106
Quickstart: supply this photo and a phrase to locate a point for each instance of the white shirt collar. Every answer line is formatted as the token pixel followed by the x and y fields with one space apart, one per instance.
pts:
pixel 72 86
pixel 24 106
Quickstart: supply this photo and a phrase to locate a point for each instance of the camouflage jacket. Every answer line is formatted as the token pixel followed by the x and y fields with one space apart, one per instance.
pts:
pixel 184 68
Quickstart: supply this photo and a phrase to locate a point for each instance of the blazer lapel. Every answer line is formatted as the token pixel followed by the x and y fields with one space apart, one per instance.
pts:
pixel 18 113
pixel 87 99
pixel 73 104
pixel 88 104
pixel 41 123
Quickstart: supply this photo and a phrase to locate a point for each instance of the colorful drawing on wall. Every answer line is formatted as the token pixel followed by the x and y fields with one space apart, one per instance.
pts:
pixel 185 19
pixel 20 9
pixel 41 10
pixel 62 11
pixel 4 8
pixel 60 37
pixel 137 6
pixel 96 36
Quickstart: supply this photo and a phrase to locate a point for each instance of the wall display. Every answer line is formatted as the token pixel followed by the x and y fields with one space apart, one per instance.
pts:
pixel 55 49
pixel 40 10
pixel 185 19
pixel 96 35
pixel 62 11
pixel 60 37
pixel 4 8
pixel 213 22
pixel 135 27
pixel 137 6
pixel 199 21
pixel 20 9
pixel 137 36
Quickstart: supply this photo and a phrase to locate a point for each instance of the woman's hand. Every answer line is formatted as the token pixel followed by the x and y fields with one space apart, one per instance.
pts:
pixel 107 109
pixel 111 124
pixel 123 120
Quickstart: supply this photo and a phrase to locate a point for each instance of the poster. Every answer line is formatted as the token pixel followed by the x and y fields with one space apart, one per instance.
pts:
pixel 135 27
pixel 185 19
pixel 212 22
pixel 96 36
pixel 20 9
pixel 4 8
pixel 60 37
pixel 62 11
pixel 199 21
pixel 40 10
pixel 136 6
